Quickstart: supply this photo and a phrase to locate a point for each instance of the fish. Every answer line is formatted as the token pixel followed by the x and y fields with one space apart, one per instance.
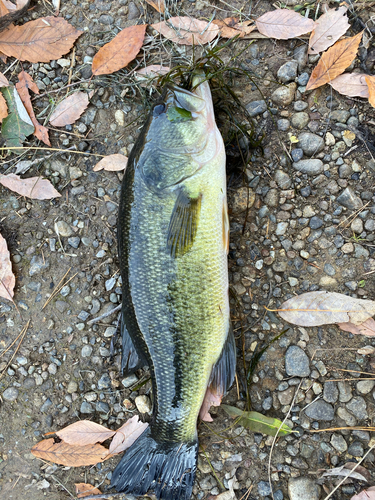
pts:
pixel 173 241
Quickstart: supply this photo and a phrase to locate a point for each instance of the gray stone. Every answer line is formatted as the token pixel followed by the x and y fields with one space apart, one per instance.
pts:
pixel 300 55
pixel 104 382
pixel 310 143
pixel 287 72
pixel 47 403
pixel 309 167
pixel 86 408
pixel 63 229
pixel 102 407
pixel 38 264
pixel 10 394
pixel 356 449
pixel 129 381
pixel 340 115
pixel 300 120
pixel 61 306
pixel 339 443
pixel 74 241
pixel 315 222
pixel 256 108
pixel 264 488
pixel 283 124
pixel 300 106
pixel 303 488
pixel 365 386
pixel 345 171
pixel 283 96
pixel 320 410
pixel 330 392
pixel 357 226
pixel 349 199
pixel 296 362
pixel 346 416
pixel 86 351
pixel 21 360
pixel 272 198
pixel 357 406
pixel 72 387
pixel 296 154
pixel 133 11
pixel 29 383
pixel 360 251
pixel 345 391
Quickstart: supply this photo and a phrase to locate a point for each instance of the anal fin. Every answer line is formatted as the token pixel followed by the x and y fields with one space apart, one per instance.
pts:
pixel 130 360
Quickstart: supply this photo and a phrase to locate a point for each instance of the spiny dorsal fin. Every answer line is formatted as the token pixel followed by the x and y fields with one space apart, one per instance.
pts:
pixel 183 224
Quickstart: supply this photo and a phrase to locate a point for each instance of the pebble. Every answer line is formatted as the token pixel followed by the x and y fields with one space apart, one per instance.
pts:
pixel 72 387
pixel 357 406
pixel 297 362
pixel 300 120
pixel 255 108
pixel 86 408
pixel 74 241
pixel 365 386
pixel 339 443
pixel 330 392
pixel 38 264
pixel 143 404
pixel 357 226
pixel 310 143
pixel 356 449
pixel 133 11
pixel 10 394
pixel 86 351
pixel 283 124
pixel 296 154
pixel 303 488
pixel 309 167
pixel 120 117
pixel 282 179
pixel 283 96
pixel 320 410
pixel 63 229
pixel 47 403
pixel 242 199
pixel 349 199
pixel 104 382
pixel 288 72
pixel 264 488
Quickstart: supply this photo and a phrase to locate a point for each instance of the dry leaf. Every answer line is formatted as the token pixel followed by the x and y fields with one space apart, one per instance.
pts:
pixel 324 308
pixel 3 10
pixel 368 494
pixel 231 27
pixel 7 279
pixel 42 40
pixel 351 85
pixel 210 399
pixel 283 24
pixel 25 83
pixel 150 72
pixel 365 351
pixel 370 80
pixel 35 188
pixel 3 108
pixel 365 328
pixel 158 5
pixel 120 51
pixel 85 490
pixel 126 435
pixel 112 163
pixel 69 110
pixel 334 61
pixel 84 432
pixel 346 470
pixel 328 29
pixel 66 454
pixel 3 80
pixel 187 30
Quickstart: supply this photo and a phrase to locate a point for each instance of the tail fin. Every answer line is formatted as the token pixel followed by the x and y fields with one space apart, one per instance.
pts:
pixel 167 469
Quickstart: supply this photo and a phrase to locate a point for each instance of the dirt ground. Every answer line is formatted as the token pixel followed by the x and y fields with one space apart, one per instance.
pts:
pixel 297 237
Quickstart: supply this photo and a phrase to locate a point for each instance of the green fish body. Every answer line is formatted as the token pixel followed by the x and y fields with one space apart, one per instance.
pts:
pixel 173 236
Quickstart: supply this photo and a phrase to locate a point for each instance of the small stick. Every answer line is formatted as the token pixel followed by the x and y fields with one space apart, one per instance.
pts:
pixel 7 349
pixel 23 333
pixel 67 272
pixel 51 149
pixel 332 429
pixel 108 313
pixel 107 496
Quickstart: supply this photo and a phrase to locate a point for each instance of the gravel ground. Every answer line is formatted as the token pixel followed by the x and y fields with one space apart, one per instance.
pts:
pixel 310 227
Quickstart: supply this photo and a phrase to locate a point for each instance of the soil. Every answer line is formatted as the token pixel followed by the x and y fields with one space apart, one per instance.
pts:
pixel 296 237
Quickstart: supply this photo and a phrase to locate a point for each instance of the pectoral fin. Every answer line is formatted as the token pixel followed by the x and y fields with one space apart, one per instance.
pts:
pixel 183 224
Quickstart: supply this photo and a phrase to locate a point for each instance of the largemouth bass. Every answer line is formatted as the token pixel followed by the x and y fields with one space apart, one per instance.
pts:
pixel 173 236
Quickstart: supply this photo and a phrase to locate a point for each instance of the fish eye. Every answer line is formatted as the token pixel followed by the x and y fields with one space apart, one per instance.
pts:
pixel 158 109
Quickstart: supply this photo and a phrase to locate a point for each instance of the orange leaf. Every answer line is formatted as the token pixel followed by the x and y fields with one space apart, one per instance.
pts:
pixel 69 110
pixel 328 29
pixel 42 40
pixel 84 432
pixel 3 108
pixel 283 24
pixel 120 51
pixel 3 80
pixel 3 10
pixel 365 328
pixel 85 490
pixel 370 80
pixel 126 435
pixel 25 83
pixel 7 279
pixel 187 30
pixel 112 163
pixel 351 84
pixel 230 27
pixel 334 61
pixel 35 188
pixel 66 454
pixel 158 5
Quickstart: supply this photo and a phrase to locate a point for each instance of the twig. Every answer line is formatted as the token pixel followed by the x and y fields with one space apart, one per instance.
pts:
pixel 14 341
pixel 51 149
pixel 55 478
pixel 107 496
pixel 23 333
pixel 57 289
pixel 108 313
pixel 332 429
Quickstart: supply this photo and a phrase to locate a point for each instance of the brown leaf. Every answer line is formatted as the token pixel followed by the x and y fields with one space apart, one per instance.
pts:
pixel 85 490
pixel 324 308
pixel 231 27
pixel 3 108
pixel 126 435
pixel 69 110
pixel 210 399
pixel 158 5
pixel 365 328
pixel 328 29
pixel 42 40
pixel 3 80
pixel 66 454
pixel 35 188
pixel 360 472
pixel 25 83
pixel 334 61
pixel 368 494
pixel 3 10
pixel 120 51
pixel 112 163
pixel 150 72
pixel 283 24
pixel 187 30
pixel 370 80
pixel 84 433
pixel 7 279
pixel 351 85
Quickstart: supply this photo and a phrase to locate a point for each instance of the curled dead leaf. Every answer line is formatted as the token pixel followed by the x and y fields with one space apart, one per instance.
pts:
pixel 231 26
pixel 3 81
pixel 112 163
pixel 187 30
pixel 126 435
pixel 84 490
pixel 7 278
pixel 35 188
pixel 69 110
